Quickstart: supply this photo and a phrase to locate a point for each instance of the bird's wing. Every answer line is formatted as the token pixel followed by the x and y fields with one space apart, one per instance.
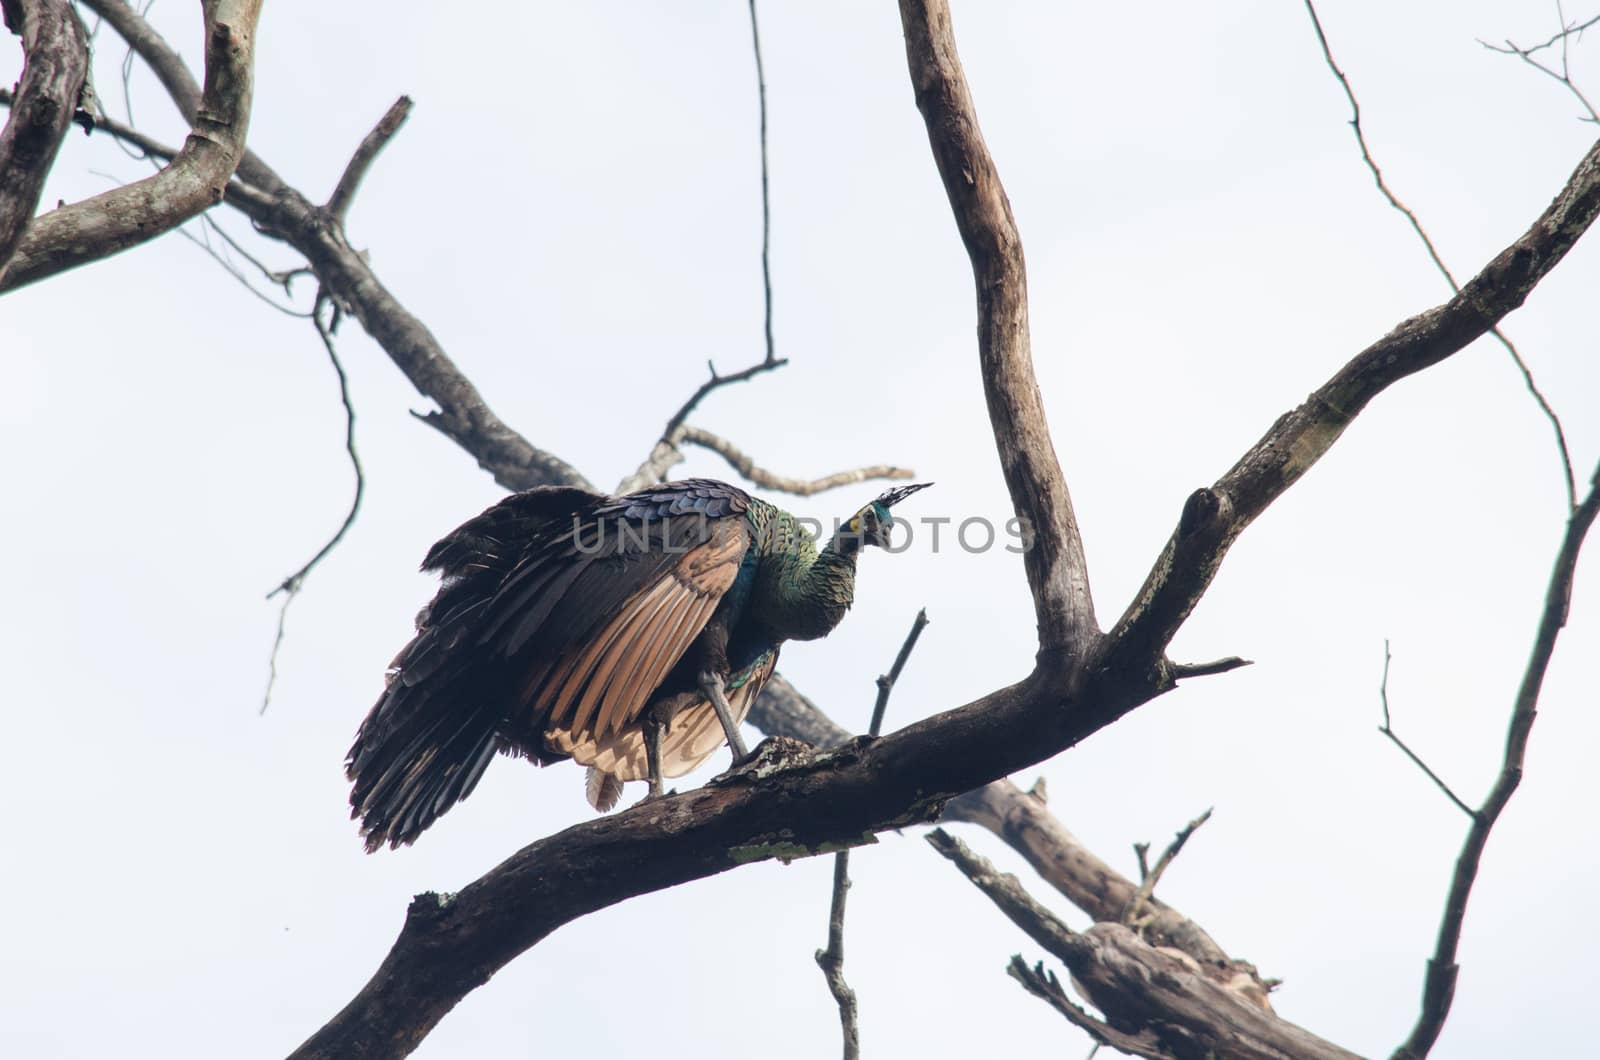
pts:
pixel 597 685
pixel 556 604
pixel 591 622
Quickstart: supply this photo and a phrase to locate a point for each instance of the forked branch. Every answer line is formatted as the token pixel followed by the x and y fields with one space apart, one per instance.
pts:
pixel 191 183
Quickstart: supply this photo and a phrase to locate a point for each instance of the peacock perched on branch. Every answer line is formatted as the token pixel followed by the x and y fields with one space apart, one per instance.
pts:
pixel 630 634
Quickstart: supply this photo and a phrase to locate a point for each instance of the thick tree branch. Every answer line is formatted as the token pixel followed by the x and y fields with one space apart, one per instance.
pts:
pixel 1439 986
pixel 191 183
pixel 55 62
pixel 1214 517
pixel 1058 571
pixel 1143 990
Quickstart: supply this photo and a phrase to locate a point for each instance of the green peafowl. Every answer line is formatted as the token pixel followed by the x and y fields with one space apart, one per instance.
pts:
pixel 630 634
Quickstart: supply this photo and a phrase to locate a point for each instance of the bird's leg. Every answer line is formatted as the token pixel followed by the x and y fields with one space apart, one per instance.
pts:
pixel 711 686
pixel 652 751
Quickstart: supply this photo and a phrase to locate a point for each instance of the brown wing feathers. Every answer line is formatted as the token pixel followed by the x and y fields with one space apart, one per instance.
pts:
pixel 549 623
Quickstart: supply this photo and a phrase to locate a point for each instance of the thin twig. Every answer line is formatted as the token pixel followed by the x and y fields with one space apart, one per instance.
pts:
pixel 1438 989
pixel 716 382
pixel 766 203
pixel 886 681
pixel 1387 729
pixel 831 960
pixel 238 274
pixel 371 146
pixel 1148 878
pixel 127 85
pixel 746 466
pixel 1564 75
pixel 666 451
pixel 292 585
pixel 1438 261
pixel 1575 30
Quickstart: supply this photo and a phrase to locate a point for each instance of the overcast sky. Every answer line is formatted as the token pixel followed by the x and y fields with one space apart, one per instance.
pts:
pixel 574 210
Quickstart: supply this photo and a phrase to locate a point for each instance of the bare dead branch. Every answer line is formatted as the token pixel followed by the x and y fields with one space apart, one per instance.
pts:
pixel 192 182
pixel 292 585
pixel 1148 877
pixel 1213 517
pixel 1058 572
pixel 1179 671
pixel 1387 729
pixel 1043 984
pixel 1433 253
pixel 1438 990
pixel 371 146
pixel 831 960
pixel 55 51
pixel 1139 988
pixel 747 468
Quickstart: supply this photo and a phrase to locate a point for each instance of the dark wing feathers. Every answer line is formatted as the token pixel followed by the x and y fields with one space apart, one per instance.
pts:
pixel 560 611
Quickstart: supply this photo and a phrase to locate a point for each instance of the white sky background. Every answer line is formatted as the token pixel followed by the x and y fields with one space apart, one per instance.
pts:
pixel 574 210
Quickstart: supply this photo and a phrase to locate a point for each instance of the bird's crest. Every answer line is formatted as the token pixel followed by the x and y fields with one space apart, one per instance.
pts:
pixel 892 497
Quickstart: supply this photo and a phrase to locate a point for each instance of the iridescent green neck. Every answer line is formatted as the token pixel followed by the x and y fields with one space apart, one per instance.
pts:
pixel 802 594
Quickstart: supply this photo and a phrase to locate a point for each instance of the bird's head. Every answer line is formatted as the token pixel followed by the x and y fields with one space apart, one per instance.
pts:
pixel 871 524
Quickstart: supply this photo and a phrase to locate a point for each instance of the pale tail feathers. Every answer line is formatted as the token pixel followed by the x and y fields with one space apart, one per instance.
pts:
pixel 602 790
